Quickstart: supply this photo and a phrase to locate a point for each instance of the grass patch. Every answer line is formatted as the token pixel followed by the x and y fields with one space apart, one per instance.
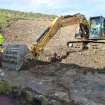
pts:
pixel 8 16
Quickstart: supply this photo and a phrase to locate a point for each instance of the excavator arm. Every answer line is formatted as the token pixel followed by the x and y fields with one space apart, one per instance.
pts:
pixel 59 22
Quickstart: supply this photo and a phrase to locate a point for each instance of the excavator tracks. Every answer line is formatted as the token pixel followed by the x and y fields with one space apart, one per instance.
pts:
pixel 97 46
pixel 89 44
pixel 76 45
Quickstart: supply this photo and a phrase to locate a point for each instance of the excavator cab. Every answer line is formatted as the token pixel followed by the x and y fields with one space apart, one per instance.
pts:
pixel 97 28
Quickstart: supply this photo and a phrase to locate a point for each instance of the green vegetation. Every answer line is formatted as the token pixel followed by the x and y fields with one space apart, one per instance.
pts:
pixel 22 96
pixel 8 16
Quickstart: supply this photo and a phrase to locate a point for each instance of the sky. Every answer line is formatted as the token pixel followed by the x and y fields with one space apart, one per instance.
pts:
pixel 57 7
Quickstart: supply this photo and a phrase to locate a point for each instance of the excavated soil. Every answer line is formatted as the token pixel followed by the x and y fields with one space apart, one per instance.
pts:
pixel 77 79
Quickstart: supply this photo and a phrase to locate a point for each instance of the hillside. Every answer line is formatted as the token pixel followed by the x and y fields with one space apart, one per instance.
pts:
pixel 8 16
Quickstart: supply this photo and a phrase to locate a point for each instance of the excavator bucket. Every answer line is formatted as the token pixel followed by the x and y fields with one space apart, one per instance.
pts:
pixel 14 56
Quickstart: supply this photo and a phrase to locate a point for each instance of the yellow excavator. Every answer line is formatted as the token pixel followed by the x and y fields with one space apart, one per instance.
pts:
pixel 56 25
pixel 14 55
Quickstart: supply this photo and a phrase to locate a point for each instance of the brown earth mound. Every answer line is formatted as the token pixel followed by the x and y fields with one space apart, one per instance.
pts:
pixel 25 31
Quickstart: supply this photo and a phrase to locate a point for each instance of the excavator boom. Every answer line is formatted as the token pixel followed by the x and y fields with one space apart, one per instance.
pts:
pixel 59 22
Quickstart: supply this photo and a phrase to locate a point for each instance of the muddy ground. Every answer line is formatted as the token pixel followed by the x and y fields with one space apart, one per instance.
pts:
pixel 65 84
pixel 78 79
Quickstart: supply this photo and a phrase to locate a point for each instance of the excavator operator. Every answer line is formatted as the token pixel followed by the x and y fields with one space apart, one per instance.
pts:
pixel 2 39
